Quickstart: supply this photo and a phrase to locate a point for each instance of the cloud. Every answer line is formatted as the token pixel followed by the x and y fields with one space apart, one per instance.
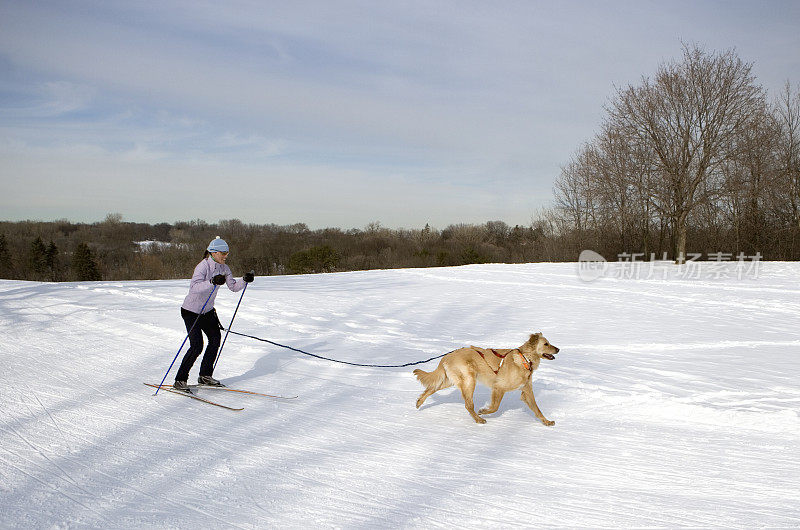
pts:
pixel 63 97
pixel 51 99
pixel 253 144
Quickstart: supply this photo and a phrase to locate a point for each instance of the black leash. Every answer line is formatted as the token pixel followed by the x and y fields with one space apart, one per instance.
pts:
pixel 336 360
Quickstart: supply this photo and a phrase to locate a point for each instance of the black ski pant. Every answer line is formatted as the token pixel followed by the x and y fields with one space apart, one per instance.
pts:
pixel 208 323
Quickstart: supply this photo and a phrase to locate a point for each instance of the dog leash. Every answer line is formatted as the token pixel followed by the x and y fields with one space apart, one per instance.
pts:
pixel 336 360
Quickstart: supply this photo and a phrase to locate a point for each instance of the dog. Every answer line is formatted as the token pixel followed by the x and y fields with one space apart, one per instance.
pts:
pixel 502 370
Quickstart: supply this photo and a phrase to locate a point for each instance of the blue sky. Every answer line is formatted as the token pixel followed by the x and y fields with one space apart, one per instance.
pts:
pixel 331 113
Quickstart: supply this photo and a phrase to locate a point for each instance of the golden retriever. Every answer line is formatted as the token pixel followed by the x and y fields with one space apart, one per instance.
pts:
pixel 502 370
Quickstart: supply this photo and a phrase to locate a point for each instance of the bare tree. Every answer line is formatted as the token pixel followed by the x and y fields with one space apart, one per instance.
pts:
pixel 574 192
pixel 620 169
pixel 787 114
pixel 687 117
pixel 750 180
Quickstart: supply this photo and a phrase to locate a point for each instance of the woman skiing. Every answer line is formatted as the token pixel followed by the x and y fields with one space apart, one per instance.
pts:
pixel 210 272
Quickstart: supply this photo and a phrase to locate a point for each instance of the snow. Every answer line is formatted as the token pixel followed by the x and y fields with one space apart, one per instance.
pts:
pixel 149 245
pixel 675 402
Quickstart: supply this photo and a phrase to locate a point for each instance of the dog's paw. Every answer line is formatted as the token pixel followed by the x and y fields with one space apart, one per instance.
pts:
pixel 548 423
pixel 480 420
pixel 483 411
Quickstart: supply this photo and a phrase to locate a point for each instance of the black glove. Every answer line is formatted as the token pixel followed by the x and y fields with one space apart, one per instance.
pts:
pixel 219 279
pixel 249 276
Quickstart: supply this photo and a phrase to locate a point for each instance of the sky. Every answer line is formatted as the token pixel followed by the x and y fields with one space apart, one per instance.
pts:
pixel 332 113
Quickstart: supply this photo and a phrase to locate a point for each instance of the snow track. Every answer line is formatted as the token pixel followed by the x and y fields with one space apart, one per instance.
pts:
pixel 676 404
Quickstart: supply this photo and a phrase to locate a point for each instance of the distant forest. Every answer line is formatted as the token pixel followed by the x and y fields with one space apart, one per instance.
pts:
pixel 696 160
pixel 118 250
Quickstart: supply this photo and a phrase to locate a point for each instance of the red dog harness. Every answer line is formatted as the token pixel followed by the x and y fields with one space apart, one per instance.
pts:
pixel 524 360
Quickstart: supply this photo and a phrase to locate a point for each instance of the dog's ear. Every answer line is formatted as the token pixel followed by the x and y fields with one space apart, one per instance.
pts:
pixel 534 338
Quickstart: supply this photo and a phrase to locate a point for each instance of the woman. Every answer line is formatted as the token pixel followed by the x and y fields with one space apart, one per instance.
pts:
pixel 209 273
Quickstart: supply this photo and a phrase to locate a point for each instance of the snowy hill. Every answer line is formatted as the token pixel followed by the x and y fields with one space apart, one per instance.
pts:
pixel 675 402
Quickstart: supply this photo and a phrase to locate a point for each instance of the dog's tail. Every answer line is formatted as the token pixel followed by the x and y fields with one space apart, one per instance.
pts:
pixel 434 380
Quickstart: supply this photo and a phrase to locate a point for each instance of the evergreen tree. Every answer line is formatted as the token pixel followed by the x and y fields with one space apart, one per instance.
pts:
pixel 37 259
pixel 51 259
pixel 6 265
pixel 84 264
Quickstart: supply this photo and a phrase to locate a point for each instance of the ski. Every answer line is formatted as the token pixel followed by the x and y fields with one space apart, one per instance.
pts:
pixel 249 392
pixel 198 398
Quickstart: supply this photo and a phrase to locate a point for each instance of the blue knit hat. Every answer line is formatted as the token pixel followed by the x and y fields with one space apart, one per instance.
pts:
pixel 218 245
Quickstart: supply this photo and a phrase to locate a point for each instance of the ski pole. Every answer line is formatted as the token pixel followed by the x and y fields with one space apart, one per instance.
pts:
pixel 184 340
pixel 229 327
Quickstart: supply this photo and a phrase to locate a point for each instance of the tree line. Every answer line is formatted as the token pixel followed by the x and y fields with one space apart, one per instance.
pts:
pixel 118 250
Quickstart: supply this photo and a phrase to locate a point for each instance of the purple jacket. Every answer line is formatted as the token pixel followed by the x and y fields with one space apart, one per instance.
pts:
pixel 201 285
